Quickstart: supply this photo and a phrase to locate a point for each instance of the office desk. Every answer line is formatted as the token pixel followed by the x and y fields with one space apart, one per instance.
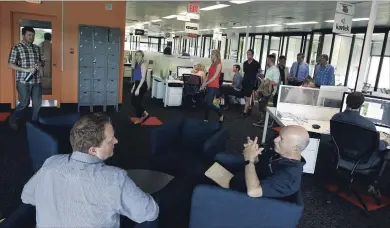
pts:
pixel 271 111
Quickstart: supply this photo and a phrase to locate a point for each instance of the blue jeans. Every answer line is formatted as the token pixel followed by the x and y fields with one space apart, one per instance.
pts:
pixel 25 91
pixel 210 95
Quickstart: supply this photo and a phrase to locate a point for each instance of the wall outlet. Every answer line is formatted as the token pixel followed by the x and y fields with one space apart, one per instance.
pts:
pixel 108 6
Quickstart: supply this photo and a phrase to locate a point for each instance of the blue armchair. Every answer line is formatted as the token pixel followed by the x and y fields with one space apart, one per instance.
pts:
pixel 214 207
pixel 186 147
pixel 41 145
pixel 23 216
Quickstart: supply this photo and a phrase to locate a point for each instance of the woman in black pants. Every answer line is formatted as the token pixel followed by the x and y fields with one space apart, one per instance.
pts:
pixel 141 85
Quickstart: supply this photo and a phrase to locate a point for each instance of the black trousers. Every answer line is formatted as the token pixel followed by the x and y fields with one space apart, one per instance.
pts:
pixel 229 91
pixel 136 101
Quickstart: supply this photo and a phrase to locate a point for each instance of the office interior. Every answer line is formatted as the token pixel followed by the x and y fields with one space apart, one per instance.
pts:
pixel 279 28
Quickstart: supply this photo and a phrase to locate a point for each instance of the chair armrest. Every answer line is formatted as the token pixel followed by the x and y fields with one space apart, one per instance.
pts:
pixel 214 207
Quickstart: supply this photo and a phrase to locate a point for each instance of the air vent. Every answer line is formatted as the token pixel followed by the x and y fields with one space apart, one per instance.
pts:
pixel 289 18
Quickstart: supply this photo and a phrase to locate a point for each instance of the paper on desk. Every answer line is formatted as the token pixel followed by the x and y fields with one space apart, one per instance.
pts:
pixel 219 174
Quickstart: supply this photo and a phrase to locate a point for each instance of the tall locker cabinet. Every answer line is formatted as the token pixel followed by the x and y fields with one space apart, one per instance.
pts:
pixel 99 52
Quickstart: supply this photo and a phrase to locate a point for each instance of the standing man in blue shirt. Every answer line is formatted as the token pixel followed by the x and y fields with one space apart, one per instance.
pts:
pixel 299 71
pixel 324 72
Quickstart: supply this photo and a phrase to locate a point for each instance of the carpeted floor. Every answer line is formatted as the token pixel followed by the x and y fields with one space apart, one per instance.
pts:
pixel 132 151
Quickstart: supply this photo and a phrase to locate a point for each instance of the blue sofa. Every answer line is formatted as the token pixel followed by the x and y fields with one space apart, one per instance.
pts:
pixel 215 207
pixel 186 147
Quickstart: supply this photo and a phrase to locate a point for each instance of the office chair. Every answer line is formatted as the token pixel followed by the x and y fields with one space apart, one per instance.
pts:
pixel 192 85
pixel 358 155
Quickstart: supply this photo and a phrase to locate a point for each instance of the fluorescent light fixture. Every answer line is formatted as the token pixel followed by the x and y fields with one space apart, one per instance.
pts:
pixel 170 17
pixel 302 23
pixel 269 25
pixel 354 19
pixel 361 19
pixel 205 29
pixel 239 2
pixel 156 20
pixel 239 27
pixel 221 28
pixel 214 7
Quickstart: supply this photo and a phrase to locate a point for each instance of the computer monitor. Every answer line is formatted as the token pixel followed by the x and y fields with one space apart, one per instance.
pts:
pixel 183 70
pixel 376 109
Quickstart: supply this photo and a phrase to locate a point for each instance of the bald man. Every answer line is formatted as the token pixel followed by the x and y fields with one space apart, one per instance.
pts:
pixel 278 177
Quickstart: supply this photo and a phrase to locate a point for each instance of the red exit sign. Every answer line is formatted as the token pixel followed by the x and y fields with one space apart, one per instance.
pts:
pixel 193 7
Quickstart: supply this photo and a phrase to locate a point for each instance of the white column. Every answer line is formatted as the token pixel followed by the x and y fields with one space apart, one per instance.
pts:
pixel 246 44
pixel 367 46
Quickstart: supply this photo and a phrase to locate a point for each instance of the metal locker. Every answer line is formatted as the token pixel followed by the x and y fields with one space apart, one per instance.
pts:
pixel 85 97
pixel 85 85
pixel 112 60
pixel 100 34
pixel 113 48
pixel 86 47
pixel 115 35
pixel 112 85
pixel 98 98
pixel 86 60
pixel 100 47
pixel 86 72
pixel 86 33
pixel 112 98
pixel 112 72
pixel 98 85
pixel 100 60
pixel 99 72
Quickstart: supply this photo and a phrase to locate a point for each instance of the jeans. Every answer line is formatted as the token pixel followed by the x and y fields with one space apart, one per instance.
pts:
pixel 25 91
pixel 210 95
pixel 136 101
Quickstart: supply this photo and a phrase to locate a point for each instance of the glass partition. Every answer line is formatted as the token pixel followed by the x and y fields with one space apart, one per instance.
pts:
pixel 340 55
pixel 275 45
pixel 264 54
pixel 375 56
pixel 257 47
pixel 294 47
pixel 355 60
pixel 327 44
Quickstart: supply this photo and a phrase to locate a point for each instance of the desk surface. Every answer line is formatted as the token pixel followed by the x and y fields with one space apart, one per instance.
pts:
pixel 324 125
pixel 149 181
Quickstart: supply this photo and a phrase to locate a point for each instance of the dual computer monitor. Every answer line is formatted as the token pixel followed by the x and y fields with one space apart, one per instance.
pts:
pixel 377 109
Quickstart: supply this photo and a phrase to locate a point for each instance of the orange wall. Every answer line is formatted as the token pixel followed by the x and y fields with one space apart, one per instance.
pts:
pixel 75 13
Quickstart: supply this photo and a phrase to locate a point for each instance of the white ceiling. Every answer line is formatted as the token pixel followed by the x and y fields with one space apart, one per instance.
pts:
pixel 252 14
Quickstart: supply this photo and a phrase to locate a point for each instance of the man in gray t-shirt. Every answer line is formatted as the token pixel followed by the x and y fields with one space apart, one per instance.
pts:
pixel 79 190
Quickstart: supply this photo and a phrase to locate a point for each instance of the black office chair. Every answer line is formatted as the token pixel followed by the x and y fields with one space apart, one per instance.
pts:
pixel 192 84
pixel 357 155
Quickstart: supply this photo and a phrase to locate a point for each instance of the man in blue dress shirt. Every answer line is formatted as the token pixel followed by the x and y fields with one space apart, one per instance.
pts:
pixel 299 71
pixel 79 190
pixel 324 72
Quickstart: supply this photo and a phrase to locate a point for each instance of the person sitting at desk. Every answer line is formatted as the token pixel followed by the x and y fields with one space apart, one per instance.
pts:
pixel 79 190
pixel 235 88
pixel 352 115
pixel 275 177
pixel 199 70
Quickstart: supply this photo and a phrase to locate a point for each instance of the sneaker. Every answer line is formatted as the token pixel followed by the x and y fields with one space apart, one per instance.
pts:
pixel 259 123
pixel 145 117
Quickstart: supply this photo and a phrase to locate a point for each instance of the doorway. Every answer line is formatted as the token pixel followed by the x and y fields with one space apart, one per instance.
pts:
pixel 47 37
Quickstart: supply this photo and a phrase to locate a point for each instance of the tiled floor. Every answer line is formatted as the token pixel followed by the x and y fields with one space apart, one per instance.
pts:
pixel 132 151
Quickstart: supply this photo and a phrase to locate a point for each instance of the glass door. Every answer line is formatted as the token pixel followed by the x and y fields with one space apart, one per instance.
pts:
pixel 47 37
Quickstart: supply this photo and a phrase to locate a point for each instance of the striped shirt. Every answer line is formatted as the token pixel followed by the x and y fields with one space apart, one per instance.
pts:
pixel 324 75
pixel 79 190
pixel 26 56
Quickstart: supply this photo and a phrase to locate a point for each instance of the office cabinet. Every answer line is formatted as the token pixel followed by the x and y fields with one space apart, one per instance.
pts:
pixel 99 63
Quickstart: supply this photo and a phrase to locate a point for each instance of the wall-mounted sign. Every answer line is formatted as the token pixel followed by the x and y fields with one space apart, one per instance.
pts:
pixel 343 18
pixel 139 32
pixel 192 28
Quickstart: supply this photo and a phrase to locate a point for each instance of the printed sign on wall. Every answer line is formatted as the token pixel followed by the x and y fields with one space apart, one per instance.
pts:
pixel 192 28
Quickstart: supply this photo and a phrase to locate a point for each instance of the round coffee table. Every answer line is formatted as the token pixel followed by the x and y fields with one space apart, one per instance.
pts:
pixel 149 181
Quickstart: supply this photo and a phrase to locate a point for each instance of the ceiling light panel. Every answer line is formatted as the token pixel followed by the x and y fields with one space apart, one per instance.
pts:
pixel 269 25
pixel 361 19
pixel 302 23
pixel 239 27
pixel 156 20
pixel 239 2
pixel 170 17
pixel 214 7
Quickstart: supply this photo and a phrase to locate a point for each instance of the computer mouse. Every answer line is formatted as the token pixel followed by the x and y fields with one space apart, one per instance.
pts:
pixel 316 126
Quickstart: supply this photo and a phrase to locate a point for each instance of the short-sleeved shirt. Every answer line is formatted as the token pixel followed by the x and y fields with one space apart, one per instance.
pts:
pixel 251 70
pixel 283 179
pixel 212 70
pixel 27 56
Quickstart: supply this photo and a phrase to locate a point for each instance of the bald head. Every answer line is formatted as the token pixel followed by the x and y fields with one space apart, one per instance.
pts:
pixel 292 141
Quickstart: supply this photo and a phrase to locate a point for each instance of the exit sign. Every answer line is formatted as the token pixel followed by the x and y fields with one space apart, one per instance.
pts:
pixel 193 7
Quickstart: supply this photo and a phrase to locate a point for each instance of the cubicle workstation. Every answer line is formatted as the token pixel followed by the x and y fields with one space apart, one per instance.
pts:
pixel 304 107
pixel 376 109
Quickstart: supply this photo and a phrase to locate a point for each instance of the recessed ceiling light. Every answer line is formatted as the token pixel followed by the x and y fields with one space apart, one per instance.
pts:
pixel 302 23
pixel 156 20
pixel 329 21
pixel 269 25
pixel 205 29
pixel 239 27
pixel 214 7
pixel 239 2
pixel 170 17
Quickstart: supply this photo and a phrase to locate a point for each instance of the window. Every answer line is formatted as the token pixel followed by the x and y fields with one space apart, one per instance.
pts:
pixel 327 44
pixel 374 59
pixel 264 54
pixel 294 48
pixel 340 55
pixel 223 44
pixel 355 61
pixel 257 47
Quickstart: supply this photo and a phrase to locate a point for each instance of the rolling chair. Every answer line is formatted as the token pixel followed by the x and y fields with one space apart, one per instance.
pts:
pixel 358 156
pixel 192 84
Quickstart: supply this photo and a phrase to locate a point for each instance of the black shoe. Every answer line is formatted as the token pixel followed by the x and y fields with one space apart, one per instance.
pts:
pixel 221 119
pixel 259 123
pixel 145 118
